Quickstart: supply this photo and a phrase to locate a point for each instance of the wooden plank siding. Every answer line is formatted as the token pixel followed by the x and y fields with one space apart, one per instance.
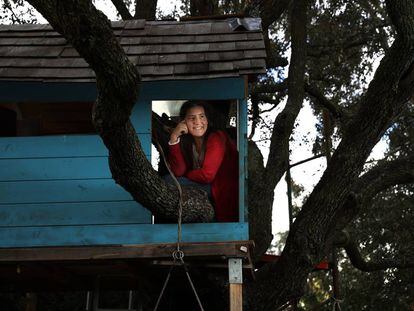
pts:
pixel 61 146
pixel 71 214
pixel 51 191
pixel 63 181
pixel 114 234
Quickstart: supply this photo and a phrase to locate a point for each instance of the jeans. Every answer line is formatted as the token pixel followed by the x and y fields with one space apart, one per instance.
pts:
pixel 184 181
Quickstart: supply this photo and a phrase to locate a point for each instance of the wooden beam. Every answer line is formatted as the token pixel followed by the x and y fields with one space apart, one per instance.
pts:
pixel 237 249
pixel 236 297
pixel 31 302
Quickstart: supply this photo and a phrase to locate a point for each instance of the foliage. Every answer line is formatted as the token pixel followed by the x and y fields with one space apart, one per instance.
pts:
pixel 384 231
pixel 17 12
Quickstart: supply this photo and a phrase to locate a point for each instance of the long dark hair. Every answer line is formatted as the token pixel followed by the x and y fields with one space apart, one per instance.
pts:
pixel 187 140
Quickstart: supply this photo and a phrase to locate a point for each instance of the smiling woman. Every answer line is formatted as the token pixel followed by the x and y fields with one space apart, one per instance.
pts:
pixel 204 157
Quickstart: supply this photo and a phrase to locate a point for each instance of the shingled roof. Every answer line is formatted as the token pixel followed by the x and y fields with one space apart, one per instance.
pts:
pixel 162 50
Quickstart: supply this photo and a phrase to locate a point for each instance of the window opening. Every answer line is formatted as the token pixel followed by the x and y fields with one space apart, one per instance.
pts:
pixel 41 119
pixel 222 116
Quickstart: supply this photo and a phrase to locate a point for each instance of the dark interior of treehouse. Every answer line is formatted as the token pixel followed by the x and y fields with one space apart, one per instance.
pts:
pixel 28 119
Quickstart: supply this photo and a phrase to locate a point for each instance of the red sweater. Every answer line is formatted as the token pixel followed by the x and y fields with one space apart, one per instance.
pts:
pixel 219 168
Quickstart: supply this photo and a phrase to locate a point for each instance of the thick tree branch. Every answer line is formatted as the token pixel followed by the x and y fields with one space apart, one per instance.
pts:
pixel 318 51
pixel 337 112
pixel 399 261
pixel 122 9
pixel 283 125
pixel 381 177
pixel 324 210
pixel 145 9
pixel 269 88
pixel 263 185
pixel 273 59
pixel 90 33
pixel 384 176
pixel 345 44
pixel 261 298
pixel 269 10
pixel 255 114
pixel 359 262
pixel 260 203
pixel 268 99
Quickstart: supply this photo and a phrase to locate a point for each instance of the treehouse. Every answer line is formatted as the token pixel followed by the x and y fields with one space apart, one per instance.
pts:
pixel 58 201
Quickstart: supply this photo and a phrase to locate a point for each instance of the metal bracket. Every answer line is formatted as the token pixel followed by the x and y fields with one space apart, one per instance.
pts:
pixel 235 271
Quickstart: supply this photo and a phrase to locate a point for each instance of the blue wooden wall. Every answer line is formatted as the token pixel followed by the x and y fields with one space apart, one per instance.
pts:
pixel 58 190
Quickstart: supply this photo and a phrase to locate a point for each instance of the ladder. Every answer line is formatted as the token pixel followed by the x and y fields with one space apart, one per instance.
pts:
pixel 92 300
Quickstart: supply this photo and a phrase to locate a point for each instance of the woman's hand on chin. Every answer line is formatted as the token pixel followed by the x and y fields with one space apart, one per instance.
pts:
pixel 179 130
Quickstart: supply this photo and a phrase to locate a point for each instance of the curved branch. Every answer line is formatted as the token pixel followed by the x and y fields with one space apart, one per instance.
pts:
pixel 359 262
pixel 337 111
pixel 255 114
pixel 118 81
pixel 284 123
pixel 145 9
pixel 260 203
pixel 347 44
pixel 273 59
pixel 324 212
pixel 122 9
pixel 270 88
pixel 269 10
pixel 400 261
pixel 344 44
pixel 261 298
pixel 385 175
pixel 381 177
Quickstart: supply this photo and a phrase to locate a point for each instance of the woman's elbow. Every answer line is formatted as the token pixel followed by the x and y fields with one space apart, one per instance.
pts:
pixel 208 177
pixel 178 172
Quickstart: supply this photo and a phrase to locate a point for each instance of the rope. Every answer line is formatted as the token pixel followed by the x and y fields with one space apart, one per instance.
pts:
pixel 163 287
pixel 180 196
pixel 178 254
pixel 336 304
pixel 192 285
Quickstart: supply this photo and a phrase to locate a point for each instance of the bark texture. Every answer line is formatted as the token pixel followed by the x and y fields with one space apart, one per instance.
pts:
pixel 145 9
pixel 122 9
pixel 263 180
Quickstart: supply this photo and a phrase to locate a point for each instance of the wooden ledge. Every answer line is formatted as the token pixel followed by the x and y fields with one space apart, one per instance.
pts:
pixel 117 266
pixel 240 249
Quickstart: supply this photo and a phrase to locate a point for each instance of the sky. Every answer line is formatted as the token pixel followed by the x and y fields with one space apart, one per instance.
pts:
pixel 307 174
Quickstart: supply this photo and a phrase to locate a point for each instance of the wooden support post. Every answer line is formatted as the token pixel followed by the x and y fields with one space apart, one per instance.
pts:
pixel 31 302
pixel 95 294
pixel 236 284
pixel 88 306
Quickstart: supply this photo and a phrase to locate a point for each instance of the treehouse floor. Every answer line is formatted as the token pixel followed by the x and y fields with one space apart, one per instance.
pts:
pixel 116 266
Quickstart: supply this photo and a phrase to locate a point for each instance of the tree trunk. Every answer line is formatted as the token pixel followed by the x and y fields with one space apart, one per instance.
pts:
pixel 324 210
pixel 145 9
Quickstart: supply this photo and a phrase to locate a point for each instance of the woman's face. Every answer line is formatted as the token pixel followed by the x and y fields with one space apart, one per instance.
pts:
pixel 196 121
